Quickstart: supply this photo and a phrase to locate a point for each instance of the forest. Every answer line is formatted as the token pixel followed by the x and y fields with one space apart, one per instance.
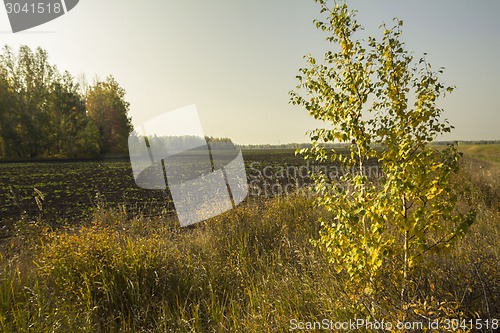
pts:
pixel 46 114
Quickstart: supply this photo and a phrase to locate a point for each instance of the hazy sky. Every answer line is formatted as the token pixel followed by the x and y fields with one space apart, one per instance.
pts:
pixel 237 59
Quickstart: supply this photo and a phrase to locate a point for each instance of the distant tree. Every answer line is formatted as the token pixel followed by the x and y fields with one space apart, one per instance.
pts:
pixel 5 96
pixel 373 93
pixel 71 127
pixel 28 76
pixel 217 139
pixel 108 109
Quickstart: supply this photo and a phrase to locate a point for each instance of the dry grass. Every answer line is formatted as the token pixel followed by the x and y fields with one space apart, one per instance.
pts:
pixel 251 269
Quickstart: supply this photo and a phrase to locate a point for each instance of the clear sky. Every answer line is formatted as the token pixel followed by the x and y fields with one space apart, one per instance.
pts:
pixel 237 59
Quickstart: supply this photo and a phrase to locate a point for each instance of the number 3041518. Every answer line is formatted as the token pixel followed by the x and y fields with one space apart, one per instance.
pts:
pixel 33 8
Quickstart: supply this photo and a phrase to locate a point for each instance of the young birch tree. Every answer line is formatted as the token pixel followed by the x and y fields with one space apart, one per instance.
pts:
pixel 373 94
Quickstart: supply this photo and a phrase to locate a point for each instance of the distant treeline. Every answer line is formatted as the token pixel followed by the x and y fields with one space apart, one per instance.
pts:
pixel 337 145
pixel 475 142
pixel 464 142
pixel 290 145
pixel 45 113
pixel 181 142
pixel 275 146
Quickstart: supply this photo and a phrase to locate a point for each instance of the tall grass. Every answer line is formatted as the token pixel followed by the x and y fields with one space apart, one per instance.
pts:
pixel 252 269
